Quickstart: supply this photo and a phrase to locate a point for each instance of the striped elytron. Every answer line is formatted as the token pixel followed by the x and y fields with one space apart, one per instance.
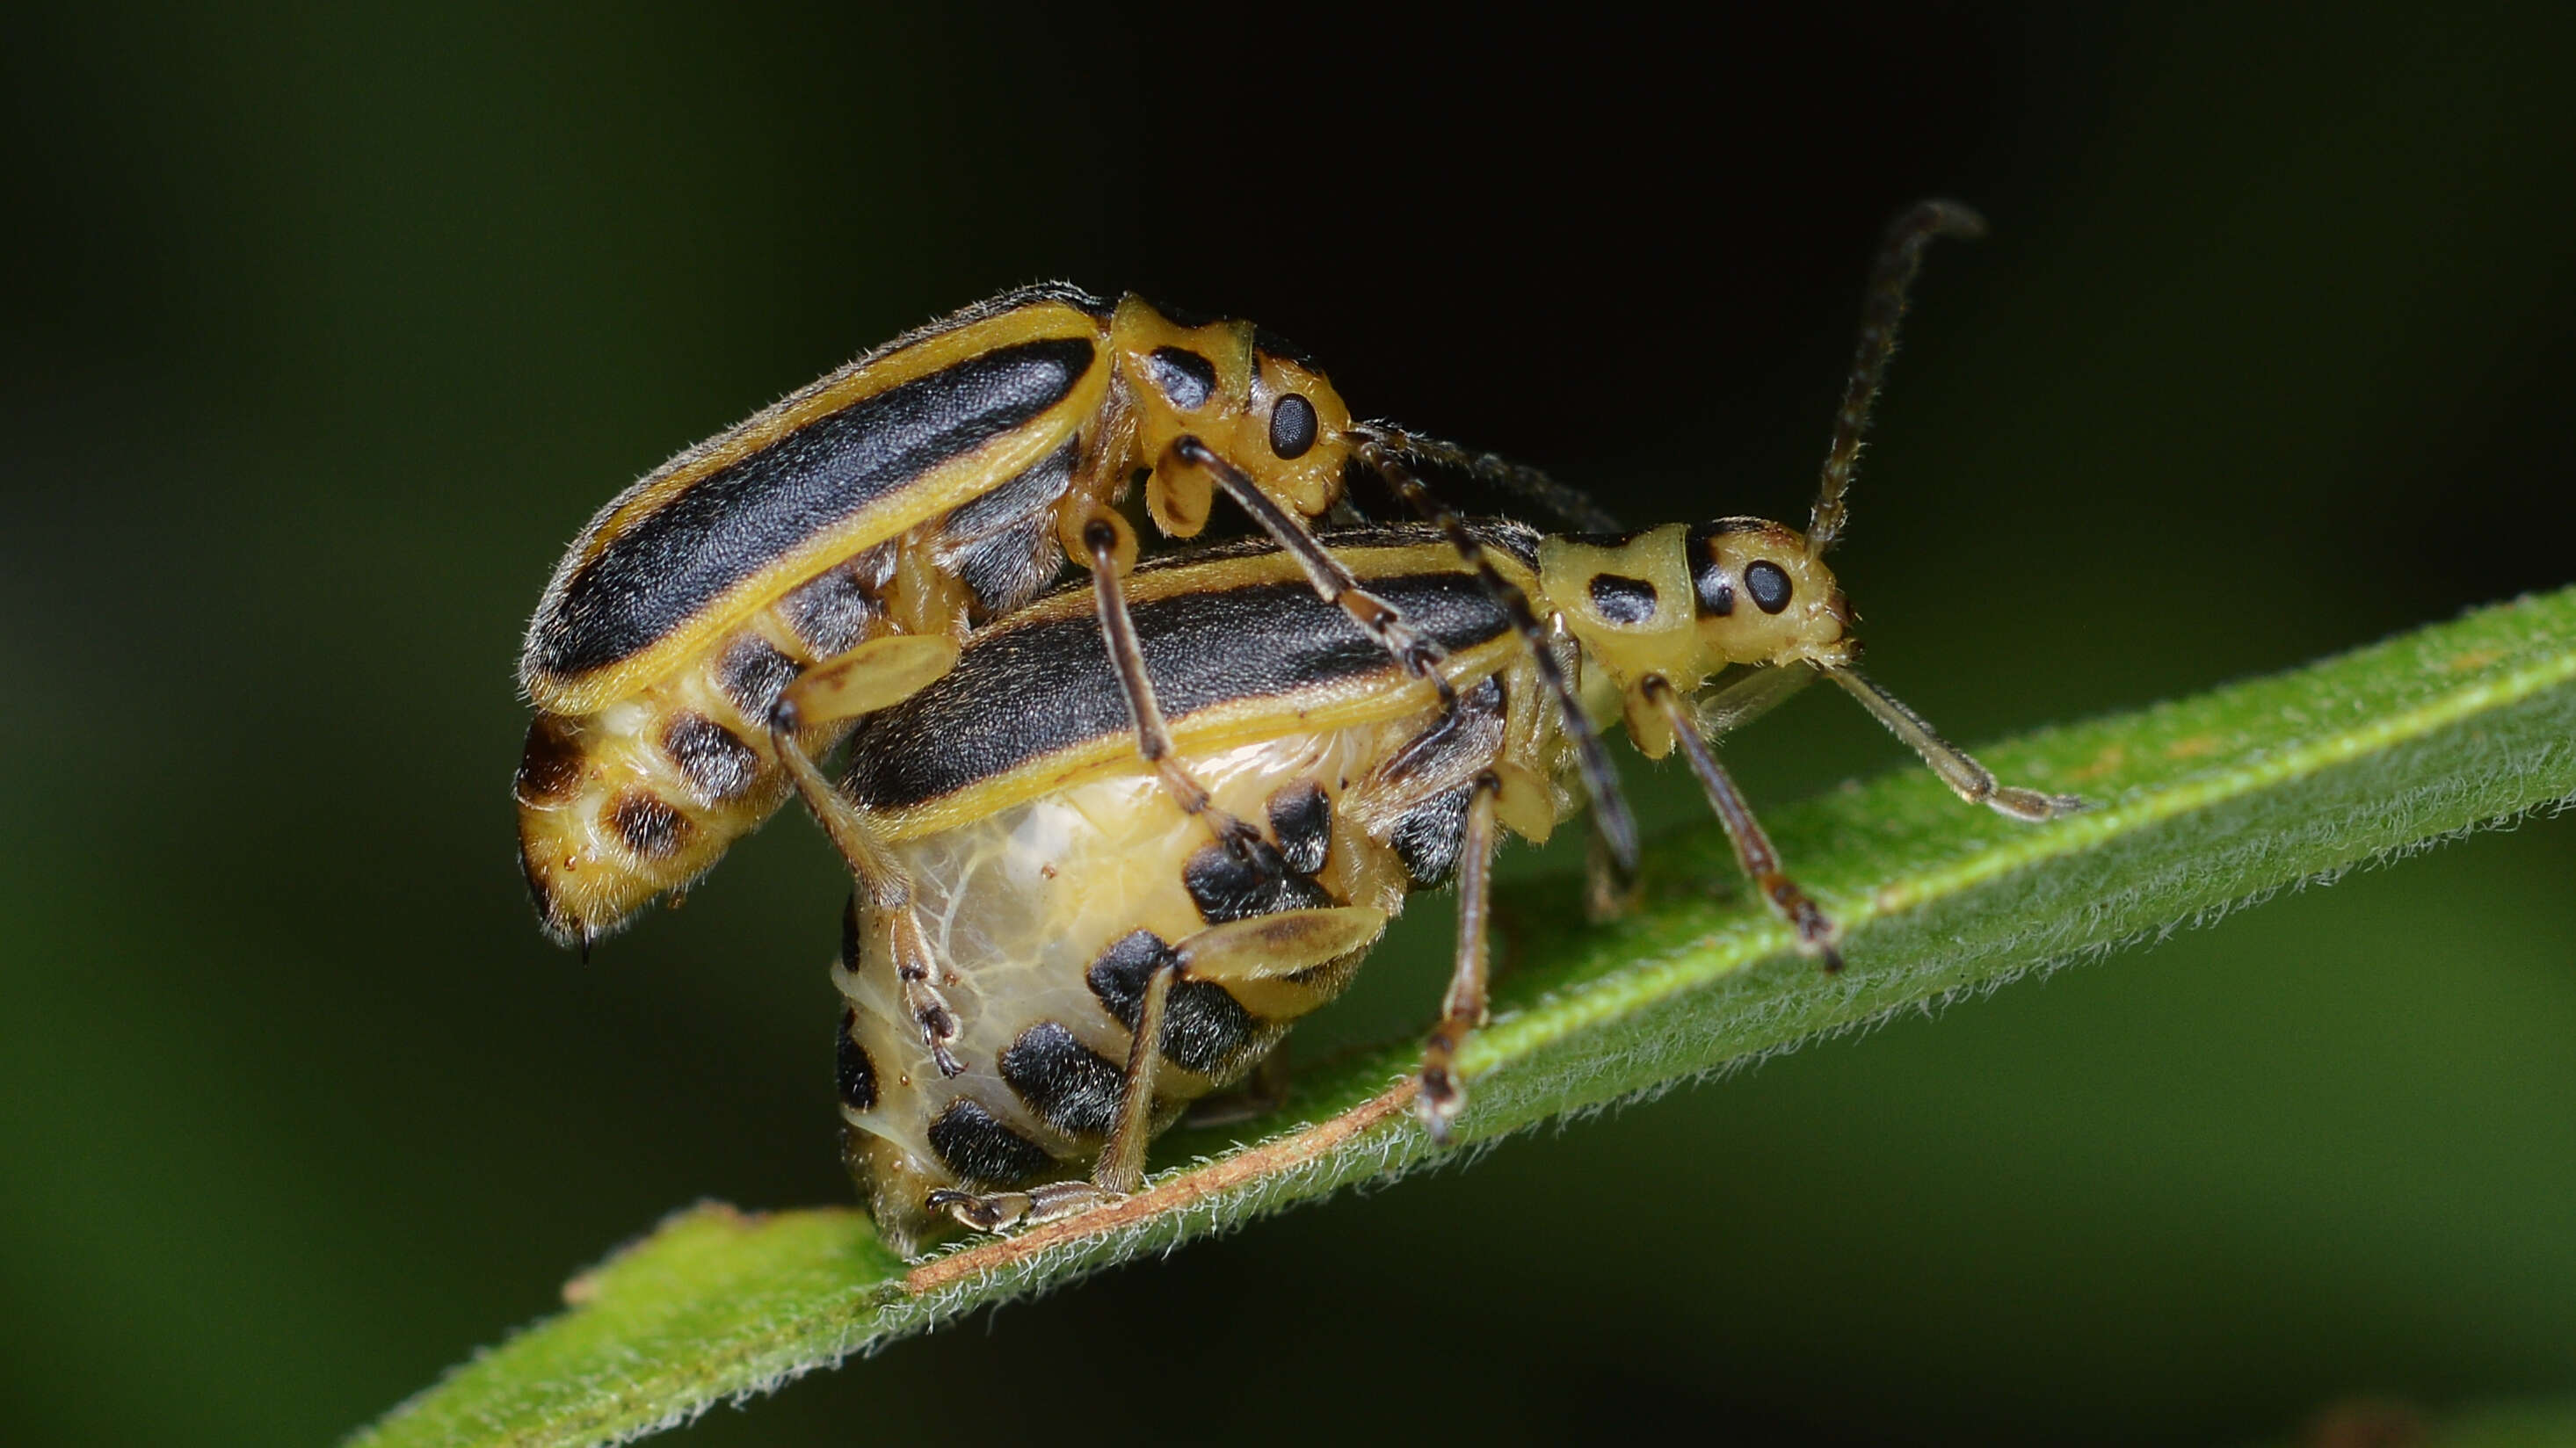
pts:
pixel 850 534
pixel 1100 958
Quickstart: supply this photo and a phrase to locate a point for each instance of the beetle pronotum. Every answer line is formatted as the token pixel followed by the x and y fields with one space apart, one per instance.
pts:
pixel 1105 963
pixel 846 537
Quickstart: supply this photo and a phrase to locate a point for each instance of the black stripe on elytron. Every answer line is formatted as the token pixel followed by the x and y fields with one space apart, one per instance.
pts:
pixel 1019 693
pixel 742 517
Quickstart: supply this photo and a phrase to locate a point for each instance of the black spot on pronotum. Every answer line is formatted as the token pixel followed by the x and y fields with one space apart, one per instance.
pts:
pixel 981 1150
pixel 1301 816
pixel 1203 1026
pixel 1768 582
pixel 1622 599
pixel 1225 887
pixel 1293 427
pixel 1074 1087
pixel 1182 375
pixel 855 1074
pixel 649 827
pixel 550 768
pixel 719 766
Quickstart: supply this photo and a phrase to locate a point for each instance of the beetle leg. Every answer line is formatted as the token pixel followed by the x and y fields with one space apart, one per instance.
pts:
pixel 1265 1091
pixel 1259 959
pixel 884 885
pixel 1967 779
pixel 1121 1169
pixel 1333 582
pixel 1463 1010
pixel 1109 545
pixel 1816 931
pixel 875 675
pixel 1610 817
pixel 1001 1211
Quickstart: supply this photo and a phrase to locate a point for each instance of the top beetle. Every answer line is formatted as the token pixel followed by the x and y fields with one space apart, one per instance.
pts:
pixel 853 531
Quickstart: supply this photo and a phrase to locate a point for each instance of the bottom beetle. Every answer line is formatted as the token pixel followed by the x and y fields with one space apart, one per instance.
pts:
pixel 1100 963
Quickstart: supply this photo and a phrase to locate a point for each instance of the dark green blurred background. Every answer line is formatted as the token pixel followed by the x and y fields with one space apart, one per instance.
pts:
pixel 327 329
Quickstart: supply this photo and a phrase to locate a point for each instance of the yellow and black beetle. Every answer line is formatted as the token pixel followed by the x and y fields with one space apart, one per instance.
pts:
pixel 857 528
pixel 1098 962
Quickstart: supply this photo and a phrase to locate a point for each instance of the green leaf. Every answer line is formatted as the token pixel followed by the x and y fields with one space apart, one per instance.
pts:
pixel 2205 803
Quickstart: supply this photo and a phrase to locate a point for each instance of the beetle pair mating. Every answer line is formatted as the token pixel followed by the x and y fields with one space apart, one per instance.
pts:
pixel 1110 844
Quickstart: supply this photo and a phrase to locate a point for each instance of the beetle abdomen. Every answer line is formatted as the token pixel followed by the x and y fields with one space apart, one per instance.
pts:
pixel 1045 920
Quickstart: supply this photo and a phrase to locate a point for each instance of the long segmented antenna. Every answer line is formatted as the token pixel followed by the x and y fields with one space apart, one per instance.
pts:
pixel 1610 816
pixel 1899 257
pixel 1572 504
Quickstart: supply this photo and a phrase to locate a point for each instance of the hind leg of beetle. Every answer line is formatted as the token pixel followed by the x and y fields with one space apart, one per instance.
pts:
pixel 1463 1010
pixel 1111 547
pixel 885 887
pixel 1258 1094
pixel 1817 933
pixel 1121 1169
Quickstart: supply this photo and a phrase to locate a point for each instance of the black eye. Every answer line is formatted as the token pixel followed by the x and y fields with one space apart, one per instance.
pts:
pixel 1768 582
pixel 1292 426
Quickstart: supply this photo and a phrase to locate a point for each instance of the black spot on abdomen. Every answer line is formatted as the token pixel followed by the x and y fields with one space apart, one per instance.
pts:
pixel 982 1151
pixel 1301 816
pixel 1074 1087
pixel 718 765
pixel 753 673
pixel 1204 1027
pixel 852 1071
pixel 551 765
pixel 652 828
pixel 1227 888
pixel 1431 836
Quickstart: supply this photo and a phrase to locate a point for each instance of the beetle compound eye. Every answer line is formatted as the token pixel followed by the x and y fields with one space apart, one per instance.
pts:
pixel 1292 426
pixel 1768 582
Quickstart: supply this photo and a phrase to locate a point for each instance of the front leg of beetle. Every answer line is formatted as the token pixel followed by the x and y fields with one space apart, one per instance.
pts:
pixel 1333 582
